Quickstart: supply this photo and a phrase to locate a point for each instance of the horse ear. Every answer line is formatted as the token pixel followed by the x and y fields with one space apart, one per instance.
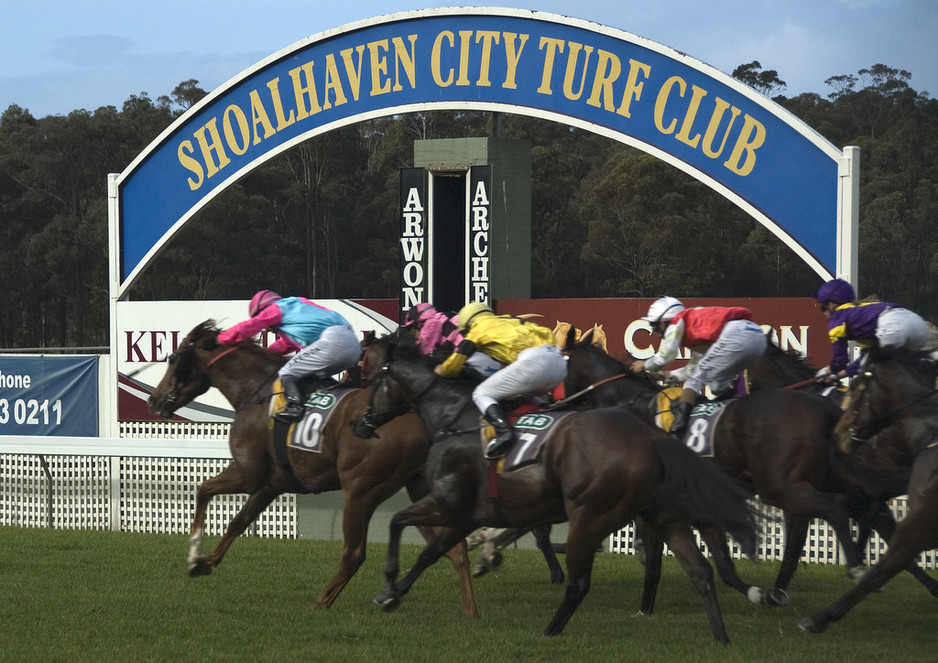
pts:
pixel 368 337
pixel 586 338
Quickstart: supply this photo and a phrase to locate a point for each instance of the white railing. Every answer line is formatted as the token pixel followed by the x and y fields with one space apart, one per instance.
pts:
pixel 132 484
pixel 147 480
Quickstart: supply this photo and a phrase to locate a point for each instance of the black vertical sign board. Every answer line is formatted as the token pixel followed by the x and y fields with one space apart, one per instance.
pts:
pixel 413 238
pixel 478 257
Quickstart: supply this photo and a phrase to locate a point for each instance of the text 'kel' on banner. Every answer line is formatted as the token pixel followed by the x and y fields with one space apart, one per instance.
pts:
pixel 565 70
pixel 49 396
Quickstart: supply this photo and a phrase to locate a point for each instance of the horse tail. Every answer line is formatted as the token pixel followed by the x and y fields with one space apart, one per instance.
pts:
pixel 698 489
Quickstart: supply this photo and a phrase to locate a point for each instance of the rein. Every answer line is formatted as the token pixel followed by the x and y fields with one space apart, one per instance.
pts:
pixel 588 389
pixel 888 415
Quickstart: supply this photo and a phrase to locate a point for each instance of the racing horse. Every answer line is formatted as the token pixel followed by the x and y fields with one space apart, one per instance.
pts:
pixel 778 440
pixel 368 471
pixel 894 407
pixel 598 470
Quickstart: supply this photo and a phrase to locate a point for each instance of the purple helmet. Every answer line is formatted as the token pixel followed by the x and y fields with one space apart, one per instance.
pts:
pixel 837 291
pixel 418 313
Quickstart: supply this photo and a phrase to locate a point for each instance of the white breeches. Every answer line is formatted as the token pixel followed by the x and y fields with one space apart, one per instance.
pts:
pixel 536 371
pixel 740 343
pixel 336 350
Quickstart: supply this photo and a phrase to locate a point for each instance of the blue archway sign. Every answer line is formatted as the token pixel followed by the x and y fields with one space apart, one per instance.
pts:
pixel 583 74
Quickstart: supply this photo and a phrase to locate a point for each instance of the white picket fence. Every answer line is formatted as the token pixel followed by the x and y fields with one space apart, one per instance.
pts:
pixel 146 480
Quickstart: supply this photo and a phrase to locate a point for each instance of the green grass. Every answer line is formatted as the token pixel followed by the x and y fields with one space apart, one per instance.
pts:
pixel 75 596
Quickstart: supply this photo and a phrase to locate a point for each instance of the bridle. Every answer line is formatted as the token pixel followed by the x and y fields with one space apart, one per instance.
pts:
pixel 185 354
pixel 370 421
pixel 861 396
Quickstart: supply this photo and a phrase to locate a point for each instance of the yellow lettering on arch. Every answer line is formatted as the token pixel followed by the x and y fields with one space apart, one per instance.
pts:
pixel 333 83
pixel 259 117
pixel 750 139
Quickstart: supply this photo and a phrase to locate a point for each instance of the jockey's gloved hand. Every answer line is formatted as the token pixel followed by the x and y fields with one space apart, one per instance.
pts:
pixel 825 376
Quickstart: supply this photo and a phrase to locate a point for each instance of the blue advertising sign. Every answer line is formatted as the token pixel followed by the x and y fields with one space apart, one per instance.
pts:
pixel 49 396
pixel 604 80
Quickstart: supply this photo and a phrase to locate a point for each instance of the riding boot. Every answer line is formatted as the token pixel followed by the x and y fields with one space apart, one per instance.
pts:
pixel 293 410
pixel 504 436
pixel 681 411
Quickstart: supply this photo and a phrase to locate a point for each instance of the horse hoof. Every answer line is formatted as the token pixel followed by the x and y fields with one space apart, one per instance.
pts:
pixel 495 561
pixel 479 570
pixel 200 568
pixel 755 595
pixel 777 597
pixel 387 601
pixel 809 625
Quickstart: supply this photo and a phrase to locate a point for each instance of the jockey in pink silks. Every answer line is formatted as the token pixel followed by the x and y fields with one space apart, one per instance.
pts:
pixel 324 341
pixel 438 336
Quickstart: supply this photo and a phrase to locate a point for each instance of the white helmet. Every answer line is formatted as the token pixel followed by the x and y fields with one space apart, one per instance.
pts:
pixel 663 308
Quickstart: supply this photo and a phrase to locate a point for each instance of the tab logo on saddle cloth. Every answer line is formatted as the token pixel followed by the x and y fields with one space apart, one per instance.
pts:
pixel 703 421
pixel 306 434
pixel 531 432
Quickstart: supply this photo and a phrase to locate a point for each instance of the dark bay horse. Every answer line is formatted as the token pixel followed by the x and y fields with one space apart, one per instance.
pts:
pixel 779 440
pixel 598 470
pixel 368 471
pixel 894 406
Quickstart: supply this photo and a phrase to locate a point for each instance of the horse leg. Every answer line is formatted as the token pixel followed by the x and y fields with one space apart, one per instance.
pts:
pixel 651 556
pixel 907 542
pixel 796 532
pixel 582 542
pixel 726 568
pixel 885 524
pixel 357 511
pixel 422 512
pixel 459 556
pixel 228 481
pixel 542 538
pixel 681 541
pixel 804 500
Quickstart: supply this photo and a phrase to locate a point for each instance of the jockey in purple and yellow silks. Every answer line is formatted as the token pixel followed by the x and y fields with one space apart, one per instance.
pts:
pixel 866 322
pixel 438 337
pixel 723 341
pixel 324 341
pixel 533 364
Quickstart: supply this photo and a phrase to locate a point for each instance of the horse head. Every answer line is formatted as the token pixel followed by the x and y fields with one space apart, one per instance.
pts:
pixel 589 367
pixel 184 380
pixel 399 379
pixel 895 388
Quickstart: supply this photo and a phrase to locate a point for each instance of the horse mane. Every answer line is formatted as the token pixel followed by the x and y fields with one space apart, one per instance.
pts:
pixel 205 335
pixel 792 357
pixel 921 363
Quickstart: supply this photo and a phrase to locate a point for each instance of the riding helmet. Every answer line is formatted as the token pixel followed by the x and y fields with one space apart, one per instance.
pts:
pixel 837 291
pixel 663 308
pixel 262 300
pixel 470 311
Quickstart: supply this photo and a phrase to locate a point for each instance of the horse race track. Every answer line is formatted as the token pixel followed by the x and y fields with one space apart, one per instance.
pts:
pixel 101 596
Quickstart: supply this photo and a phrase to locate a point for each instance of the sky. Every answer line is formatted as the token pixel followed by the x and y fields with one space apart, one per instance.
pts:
pixel 58 56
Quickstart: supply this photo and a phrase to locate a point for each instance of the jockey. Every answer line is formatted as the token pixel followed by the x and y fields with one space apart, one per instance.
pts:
pixel 533 364
pixel 324 341
pixel 867 322
pixel 438 337
pixel 723 341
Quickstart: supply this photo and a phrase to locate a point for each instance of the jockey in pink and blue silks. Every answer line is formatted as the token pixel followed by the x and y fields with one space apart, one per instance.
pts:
pixel 324 341
pixel 438 337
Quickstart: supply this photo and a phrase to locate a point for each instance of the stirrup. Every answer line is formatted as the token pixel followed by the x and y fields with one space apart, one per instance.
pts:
pixel 497 447
pixel 290 413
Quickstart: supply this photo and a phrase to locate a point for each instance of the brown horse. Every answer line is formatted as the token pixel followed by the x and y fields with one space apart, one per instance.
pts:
pixel 598 470
pixel 779 441
pixel 894 406
pixel 368 471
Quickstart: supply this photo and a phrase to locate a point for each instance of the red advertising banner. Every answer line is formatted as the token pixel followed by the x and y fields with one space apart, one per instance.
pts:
pixel 796 322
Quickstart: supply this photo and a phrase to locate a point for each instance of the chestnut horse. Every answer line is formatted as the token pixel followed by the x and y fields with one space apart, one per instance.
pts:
pixel 368 471
pixel 598 470
pixel 894 407
pixel 780 441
